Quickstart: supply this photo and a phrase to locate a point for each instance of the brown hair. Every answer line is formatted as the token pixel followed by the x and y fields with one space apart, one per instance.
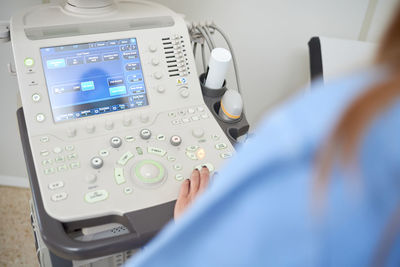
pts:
pixel 345 139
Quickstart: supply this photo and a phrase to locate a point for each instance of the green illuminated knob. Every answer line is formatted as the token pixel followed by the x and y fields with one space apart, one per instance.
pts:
pixel 29 62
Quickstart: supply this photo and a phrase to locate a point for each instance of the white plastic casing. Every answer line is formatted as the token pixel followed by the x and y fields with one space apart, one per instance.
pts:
pixel 70 187
pixel 218 65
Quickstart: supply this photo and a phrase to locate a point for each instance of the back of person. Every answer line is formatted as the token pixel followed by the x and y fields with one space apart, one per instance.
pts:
pixel 317 186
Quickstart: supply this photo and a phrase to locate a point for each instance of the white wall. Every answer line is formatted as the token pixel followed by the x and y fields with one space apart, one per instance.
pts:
pixel 269 36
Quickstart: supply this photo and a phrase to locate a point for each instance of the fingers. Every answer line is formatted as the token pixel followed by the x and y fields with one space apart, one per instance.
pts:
pixel 184 191
pixel 194 183
pixel 204 179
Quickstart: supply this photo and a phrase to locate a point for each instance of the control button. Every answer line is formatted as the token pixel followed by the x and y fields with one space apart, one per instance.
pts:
pixel 209 166
pixel 40 117
pixel 192 148
pixel 215 137
pixel 161 89
pixel 44 139
pixel 198 132
pixel 195 118
pixel 47 162
pixel 57 150
pixel 29 62
pixel 155 62
pixel 161 137
pixel 175 140
pixel 176 122
pixel 205 116
pixel 191 111
pixel 178 167
pixel 171 158
pixel 44 153
pixel 191 155
pixel 103 153
pixel 128 190
pixel 182 112
pixel 60 159
pixel 62 168
pixel 126 121
pixel 71 132
pixel 56 185
pixel 96 162
pixel 36 98
pixel 69 148
pixel 116 142
pixel 152 48
pixel 144 118
pixel 158 75
pixel 156 151
pixel 171 114
pixel 186 120
pixel 49 171
pixel 226 155
pixel 139 150
pixel 109 125
pixel 125 158
pixel 201 153
pixel 129 138
pixel 91 178
pixel 119 176
pixel 90 127
pixel 149 171
pixel 96 196
pixel 184 93
pixel 74 165
pixel 59 196
pixel 72 156
pixel 179 177
pixel 221 146
pixel 145 134
pixel 200 109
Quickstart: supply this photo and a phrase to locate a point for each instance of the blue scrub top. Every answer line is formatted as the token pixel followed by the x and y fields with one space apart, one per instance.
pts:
pixel 259 210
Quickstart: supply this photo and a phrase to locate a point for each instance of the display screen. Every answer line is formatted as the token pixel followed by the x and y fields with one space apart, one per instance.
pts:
pixel 93 78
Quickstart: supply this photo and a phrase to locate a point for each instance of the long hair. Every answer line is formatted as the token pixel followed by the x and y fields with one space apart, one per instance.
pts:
pixel 345 140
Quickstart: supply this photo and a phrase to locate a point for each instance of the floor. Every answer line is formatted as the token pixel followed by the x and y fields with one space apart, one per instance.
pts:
pixel 17 245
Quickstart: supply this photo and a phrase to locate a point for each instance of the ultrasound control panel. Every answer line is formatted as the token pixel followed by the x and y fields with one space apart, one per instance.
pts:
pixel 116 120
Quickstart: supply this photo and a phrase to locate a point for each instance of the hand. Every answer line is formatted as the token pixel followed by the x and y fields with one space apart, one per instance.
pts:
pixel 190 189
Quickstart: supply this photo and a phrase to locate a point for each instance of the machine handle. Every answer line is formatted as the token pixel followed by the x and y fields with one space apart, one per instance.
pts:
pixel 143 224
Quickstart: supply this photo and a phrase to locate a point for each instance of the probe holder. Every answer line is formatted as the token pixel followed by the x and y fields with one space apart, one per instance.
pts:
pixel 212 98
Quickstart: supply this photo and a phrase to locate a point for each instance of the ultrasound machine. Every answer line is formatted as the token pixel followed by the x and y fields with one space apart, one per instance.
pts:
pixel 113 119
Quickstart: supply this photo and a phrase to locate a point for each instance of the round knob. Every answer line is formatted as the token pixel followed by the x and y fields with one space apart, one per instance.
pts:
pixel 90 127
pixel 127 121
pixel 155 62
pixel 116 142
pixel 160 89
pixel 152 48
pixel 184 92
pixel 149 171
pixel 71 132
pixel 145 134
pixel 144 118
pixel 96 162
pixel 198 132
pixel 91 178
pixel 109 125
pixel 158 75
pixel 176 140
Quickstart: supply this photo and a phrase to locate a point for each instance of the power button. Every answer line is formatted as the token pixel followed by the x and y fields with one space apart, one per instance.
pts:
pixel 29 62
